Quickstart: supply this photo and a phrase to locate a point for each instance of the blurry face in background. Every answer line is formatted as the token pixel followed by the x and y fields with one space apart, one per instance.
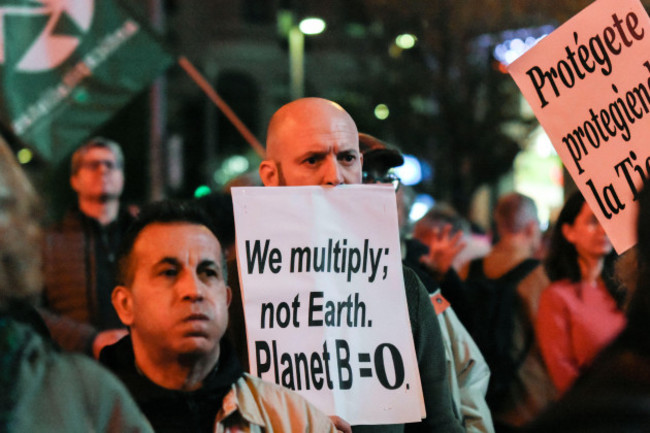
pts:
pixel 99 176
pixel 20 263
pixel 587 235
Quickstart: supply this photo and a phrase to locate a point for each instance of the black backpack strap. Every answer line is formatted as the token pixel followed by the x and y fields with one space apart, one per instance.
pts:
pixel 475 269
pixel 519 272
pixel 497 336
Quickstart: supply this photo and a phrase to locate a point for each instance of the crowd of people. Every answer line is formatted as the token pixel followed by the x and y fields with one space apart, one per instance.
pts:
pixel 115 320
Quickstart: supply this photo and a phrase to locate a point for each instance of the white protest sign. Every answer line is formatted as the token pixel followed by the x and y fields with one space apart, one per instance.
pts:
pixel 588 83
pixel 323 292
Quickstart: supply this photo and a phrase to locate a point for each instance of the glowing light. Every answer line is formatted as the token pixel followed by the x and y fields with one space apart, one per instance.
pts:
pixel 510 50
pixel 236 164
pixel 514 43
pixel 231 168
pixel 543 146
pixel 312 26
pixel 201 191
pixel 382 112
pixel 422 204
pixel 410 173
pixel 405 41
pixel 24 155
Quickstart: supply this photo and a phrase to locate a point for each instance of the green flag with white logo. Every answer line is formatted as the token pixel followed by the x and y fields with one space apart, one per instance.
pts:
pixel 66 66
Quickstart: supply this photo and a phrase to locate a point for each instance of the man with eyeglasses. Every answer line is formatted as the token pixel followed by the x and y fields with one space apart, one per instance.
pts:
pixel 79 252
pixel 378 159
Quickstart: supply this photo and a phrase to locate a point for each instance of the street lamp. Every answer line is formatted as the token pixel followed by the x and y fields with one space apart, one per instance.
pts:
pixel 406 41
pixel 308 26
pixel 312 26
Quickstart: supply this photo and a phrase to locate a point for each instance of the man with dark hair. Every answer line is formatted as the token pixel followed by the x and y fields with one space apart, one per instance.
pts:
pixel 79 252
pixel 172 294
pixel 313 141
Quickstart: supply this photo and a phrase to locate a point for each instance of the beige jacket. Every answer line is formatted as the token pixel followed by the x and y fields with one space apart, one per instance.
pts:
pixel 252 406
pixel 467 371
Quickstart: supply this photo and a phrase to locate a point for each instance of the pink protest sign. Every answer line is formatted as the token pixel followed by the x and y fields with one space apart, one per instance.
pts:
pixel 588 83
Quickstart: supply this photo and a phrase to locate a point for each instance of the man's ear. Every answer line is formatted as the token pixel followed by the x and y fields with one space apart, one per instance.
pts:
pixel 73 182
pixel 122 299
pixel 269 173
pixel 228 295
pixel 531 228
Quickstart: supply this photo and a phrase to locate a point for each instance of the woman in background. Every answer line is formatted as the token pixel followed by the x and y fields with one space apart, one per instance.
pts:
pixel 580 312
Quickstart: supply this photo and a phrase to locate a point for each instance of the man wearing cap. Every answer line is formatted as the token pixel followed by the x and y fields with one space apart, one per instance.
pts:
pixel 313 141
pixel 378 159
pixel 467 371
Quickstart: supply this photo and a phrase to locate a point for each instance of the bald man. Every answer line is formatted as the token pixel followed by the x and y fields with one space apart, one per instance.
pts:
pixel 313 141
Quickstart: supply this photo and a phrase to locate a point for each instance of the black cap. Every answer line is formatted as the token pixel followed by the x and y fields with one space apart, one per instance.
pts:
pixel 378 155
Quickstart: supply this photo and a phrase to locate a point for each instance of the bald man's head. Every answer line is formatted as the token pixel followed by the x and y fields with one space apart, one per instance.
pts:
pixel 311 141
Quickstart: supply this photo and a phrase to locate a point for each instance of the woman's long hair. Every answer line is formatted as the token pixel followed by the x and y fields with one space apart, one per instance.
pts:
pixel 562 259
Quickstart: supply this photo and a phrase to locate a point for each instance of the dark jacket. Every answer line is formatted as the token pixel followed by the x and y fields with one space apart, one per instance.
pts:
pixel 170 410
pixel 78 260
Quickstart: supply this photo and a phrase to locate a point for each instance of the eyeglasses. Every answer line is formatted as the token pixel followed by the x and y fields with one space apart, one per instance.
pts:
pixel 384 178
pixel 95 164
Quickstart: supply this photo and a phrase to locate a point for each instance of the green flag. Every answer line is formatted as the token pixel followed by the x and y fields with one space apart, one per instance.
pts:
pixel 66 66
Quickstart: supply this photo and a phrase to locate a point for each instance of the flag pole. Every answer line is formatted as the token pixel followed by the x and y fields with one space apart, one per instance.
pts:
pixel 158 120
pixel 225 109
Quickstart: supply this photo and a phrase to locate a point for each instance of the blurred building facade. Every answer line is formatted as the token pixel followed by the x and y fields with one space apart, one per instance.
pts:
pixel 444 100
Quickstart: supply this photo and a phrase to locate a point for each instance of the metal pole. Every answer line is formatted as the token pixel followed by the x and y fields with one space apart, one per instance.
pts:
pixel 158 119
pixel 297 62
pixel 219 102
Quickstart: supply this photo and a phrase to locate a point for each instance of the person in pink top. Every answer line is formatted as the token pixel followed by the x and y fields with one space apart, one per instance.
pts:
pixel 580 311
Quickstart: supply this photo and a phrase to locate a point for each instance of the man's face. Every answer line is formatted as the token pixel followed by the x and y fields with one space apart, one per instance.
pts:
pixel 99 176
pixel 325 160
pixel 314 142
pixel 177 302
